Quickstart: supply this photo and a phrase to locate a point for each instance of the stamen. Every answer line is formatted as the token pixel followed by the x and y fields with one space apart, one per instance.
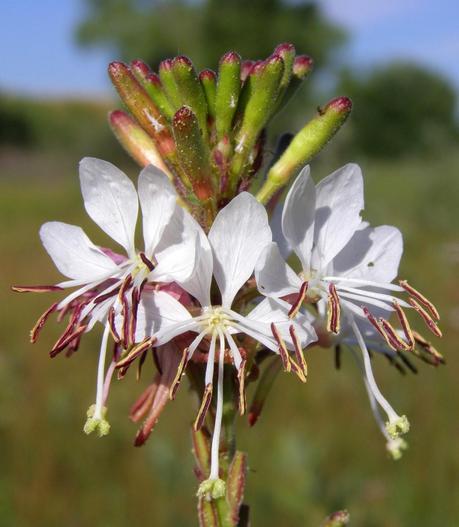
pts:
pixel 35 288
pixel 430 323
pixel 393 336
pixel 421 298
pixel 112 325
pixel 180 371
pixel 133 319
pixel 299 300
pixel 135 352
pixel 41 322
pixel 282 348
pixel 106 296
pixel 146 261
pixel 241 380
pixel 333 310
pixel 297 370
pixel 206 398
pixel 428 348
pixel 372 319
pixel 63 343
pixel 405 325
pixel 299 354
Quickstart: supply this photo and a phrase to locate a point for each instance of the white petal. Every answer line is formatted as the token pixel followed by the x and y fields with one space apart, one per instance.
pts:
pixel 276 311
pixel 239 233
pixel 73 252
pixel 158 200
pixel 275 277
pixel 371 254
pixel 298 216
pixel 278 236
pixel 110 200
pixel 179 252
pixel 158 314
pixel 339 201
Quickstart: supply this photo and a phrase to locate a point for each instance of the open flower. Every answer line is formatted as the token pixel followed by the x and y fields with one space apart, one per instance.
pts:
pixel 109 284
pixel 236 239
pixel 347 268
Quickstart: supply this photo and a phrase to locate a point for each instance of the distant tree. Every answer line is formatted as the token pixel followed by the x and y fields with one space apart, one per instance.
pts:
pixel 400 109
pixel 205 29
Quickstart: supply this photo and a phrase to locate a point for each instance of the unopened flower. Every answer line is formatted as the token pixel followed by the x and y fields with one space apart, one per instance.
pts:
pixel 347 268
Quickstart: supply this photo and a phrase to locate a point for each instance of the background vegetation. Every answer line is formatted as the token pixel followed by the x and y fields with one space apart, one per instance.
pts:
pixel 316 447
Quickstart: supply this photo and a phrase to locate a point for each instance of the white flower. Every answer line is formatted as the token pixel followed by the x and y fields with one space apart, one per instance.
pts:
pixel 347 267
pixel 238 235
pixel 110 285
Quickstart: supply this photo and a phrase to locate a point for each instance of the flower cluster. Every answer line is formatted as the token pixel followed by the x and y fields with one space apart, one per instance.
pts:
pixel 210 295
pixel 191 297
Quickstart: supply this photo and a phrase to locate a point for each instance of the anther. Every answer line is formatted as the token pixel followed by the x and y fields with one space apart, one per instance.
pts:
pixel 405 325
pixel 430 323
pixel 333 310
pixel 241 380
pixel 398 343
pixel 299 300
pixel 206 399
pixel 34 333
pixel 282 348
pixel 180 372
pixel 421 298
pixel 146 261
pixel 299 354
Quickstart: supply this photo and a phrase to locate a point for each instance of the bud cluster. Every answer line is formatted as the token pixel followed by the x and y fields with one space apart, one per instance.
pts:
pixel 207 130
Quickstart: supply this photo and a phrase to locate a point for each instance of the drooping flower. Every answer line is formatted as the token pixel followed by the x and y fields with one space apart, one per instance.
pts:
pixel 347 268
pixel 110 284
pixel 236 239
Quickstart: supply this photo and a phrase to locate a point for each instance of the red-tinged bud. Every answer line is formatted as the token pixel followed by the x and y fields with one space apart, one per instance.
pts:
pixel 193 154
pixel 235 484
pixel 228 89
pixel 138 67
pixel 135 140
pixel 208 80
pixel 246 68
pixel 264 386
pixel 306 143
pixel 201 451
pixel 302 66
pixel 142 107
pixel 287 52
pixel 190 90
pixel 340 105
pixel 169 84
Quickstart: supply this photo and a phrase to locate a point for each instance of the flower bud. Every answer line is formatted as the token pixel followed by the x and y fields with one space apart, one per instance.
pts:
pixel 235 484
pixel 228 89
pixel 169 84
pixel 193 154
pixel 142 107
pixel 306 143
pixel 136 141
pixel 287 52
pixel 191 92
pixel 209 85
pixel 152 85
pixel 264 88
pixel 302 66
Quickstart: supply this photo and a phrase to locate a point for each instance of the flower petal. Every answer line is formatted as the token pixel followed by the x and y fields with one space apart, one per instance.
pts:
pixel 239 233
pixel 110 200
pixel 275 223
pixel 176 253
pixel 158 200
pixel 74 254
pixel 159 314
pixel 339 201
pixel 275 277
pixel 298 216
pixel 276 311
pixel 371 254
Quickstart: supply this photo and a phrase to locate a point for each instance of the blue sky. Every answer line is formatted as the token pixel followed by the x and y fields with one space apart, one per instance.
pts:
pixel 40 57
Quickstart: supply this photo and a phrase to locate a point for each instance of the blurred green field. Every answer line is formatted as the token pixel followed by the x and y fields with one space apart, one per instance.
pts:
pixel 316 447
